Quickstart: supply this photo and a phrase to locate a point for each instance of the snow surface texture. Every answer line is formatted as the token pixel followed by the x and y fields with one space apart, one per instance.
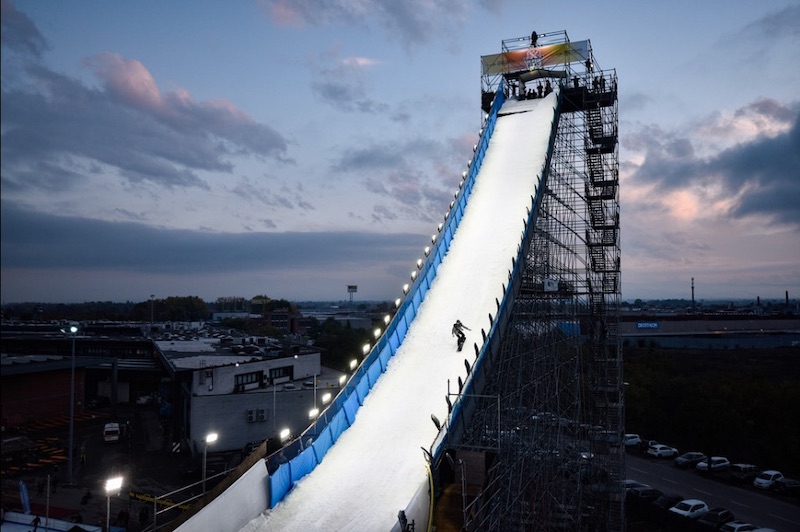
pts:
pixel 376 466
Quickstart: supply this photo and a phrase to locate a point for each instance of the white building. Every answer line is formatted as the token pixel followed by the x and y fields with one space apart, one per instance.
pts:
pixel 242 397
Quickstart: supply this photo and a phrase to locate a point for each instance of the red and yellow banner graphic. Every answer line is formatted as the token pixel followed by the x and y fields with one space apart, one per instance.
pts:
pixel 535 58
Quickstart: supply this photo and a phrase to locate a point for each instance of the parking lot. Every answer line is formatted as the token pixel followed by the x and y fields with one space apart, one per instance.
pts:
pixel 143 458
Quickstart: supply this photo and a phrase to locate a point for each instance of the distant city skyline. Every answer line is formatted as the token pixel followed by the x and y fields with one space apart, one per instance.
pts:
pixel 294 148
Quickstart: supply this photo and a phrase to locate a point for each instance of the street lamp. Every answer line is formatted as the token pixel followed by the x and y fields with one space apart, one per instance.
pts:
pixel 211 437
pixel 112 485
pixel 152 297
pixel 72 329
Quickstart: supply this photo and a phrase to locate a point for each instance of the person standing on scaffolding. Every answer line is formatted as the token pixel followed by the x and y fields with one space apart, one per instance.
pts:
pixel 458 330
pixel 534 38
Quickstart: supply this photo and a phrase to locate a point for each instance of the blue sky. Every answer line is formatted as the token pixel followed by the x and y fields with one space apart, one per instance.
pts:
pixel 293 148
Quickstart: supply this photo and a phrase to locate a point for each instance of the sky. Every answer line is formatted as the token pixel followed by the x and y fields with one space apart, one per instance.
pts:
pixel 293 148
pixel 404 396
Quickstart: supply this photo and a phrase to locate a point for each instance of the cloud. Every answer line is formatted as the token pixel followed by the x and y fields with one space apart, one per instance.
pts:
pixel 776 25
pixel 127 128
pixel 19 34
pixel 342 81
pixel 412 22
pixel 747 162
pixel 32 240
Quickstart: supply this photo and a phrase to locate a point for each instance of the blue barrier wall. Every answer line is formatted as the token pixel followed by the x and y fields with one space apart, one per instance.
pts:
pixel 299 457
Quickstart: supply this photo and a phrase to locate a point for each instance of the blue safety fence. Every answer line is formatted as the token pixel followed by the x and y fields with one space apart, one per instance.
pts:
pixel 461 409
pixel 299 457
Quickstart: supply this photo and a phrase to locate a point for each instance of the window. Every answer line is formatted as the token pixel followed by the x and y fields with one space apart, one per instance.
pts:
pixel 248 378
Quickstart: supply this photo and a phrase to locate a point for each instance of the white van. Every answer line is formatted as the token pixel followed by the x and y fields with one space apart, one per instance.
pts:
pixel 111 433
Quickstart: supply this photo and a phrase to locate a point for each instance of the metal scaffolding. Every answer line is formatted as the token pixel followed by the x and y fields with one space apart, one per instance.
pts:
pixel 543 448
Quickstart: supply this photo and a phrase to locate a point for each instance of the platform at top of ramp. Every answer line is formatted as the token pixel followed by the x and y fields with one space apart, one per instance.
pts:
pixel 376 466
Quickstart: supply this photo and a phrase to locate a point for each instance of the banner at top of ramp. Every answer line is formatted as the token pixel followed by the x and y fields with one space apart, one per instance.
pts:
pixel 533 58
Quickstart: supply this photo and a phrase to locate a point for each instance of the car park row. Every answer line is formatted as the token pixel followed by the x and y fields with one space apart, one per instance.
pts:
pixel 695 514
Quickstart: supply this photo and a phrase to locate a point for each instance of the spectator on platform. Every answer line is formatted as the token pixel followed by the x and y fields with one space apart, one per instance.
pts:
pixel 547 87
pixel 540 89
pixel 534 38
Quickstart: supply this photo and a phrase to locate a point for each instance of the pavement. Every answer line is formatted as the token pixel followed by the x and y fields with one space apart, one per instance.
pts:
pixel 144 459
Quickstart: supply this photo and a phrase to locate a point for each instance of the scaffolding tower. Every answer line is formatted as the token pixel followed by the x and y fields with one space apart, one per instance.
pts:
pixel 543 449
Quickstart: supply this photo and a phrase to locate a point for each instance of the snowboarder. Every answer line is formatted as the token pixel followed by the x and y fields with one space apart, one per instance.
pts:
pixel 458 331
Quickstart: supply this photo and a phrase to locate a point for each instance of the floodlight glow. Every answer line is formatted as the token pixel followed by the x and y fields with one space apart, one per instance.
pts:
pixel 397 303
pixel 464 174
pixel 211 437
pixel 113 484
pixel 413 275
pixel 433 238
pixel 427 250
pixel 376 333
pixel 419 263
pixel 313 413
pixel 284 434
pixel 353 363
pixel 387 319
pixel 405 288
pixel 73 329
pixel 474 148
pixel 365 348
pixel 342 379
pixel 326 398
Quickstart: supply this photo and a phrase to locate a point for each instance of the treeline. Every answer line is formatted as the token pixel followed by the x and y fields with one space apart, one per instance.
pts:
pixel 742 404
pixel 190 308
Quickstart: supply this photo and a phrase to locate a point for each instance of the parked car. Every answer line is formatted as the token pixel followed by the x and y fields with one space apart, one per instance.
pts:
pixel 766 479
pixel 667 501
pixel 688 459
pixel 660 450
pixel 690 508
pixel 787 486
pixel 642 494
pixel 112 432
pixel 743 472
pixel 716 517
pixel 630 484
pixel 644 445
pixel 718 463
pixel 737 526
pixel 632 440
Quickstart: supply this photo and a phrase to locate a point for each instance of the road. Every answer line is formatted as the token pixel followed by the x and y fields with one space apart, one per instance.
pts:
pixel 746 502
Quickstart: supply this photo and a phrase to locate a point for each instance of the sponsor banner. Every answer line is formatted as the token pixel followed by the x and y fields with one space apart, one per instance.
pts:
pixel 535 58
pixel 645 325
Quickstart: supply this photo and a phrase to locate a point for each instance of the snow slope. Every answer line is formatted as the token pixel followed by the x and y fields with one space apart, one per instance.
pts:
pixel 376 466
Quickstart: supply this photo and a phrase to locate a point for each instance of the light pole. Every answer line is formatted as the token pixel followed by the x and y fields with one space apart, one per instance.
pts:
pixel 152 297
pixel 112 484
pixel 74 330
pixel 211 437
